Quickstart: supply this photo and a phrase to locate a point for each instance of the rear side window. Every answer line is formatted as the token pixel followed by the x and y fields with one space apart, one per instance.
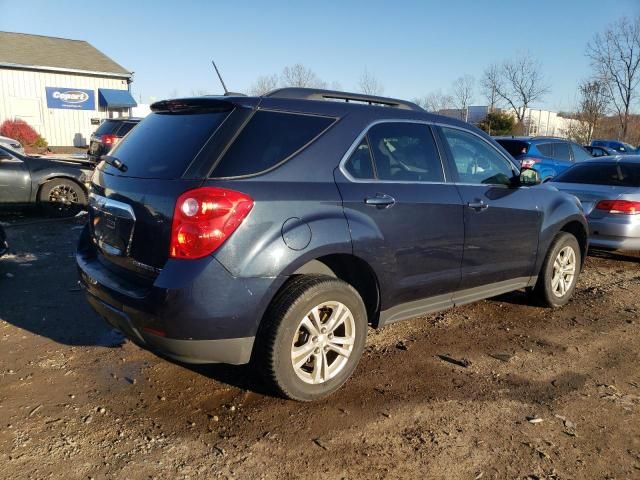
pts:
pixel 164 144
pixel 561 151
pixel 360 165
pixel 268 139
pixel 612 174
pixel 545 149
pixel 405 152
pixel 514 147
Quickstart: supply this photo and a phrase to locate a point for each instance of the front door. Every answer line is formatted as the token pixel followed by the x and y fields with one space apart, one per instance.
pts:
pixel 501 220
pixel 405 221
pixel 15 180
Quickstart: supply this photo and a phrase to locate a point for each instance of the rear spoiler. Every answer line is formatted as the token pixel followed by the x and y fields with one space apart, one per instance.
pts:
pixel 198 105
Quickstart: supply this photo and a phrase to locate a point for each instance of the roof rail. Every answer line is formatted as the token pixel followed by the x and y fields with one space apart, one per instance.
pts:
pixel 336 95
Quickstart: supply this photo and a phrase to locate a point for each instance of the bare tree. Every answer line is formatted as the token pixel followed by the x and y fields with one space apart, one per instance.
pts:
pixel 615 56
pixel 463 94
pixel 199 92
pixel 300 76
pixel 518 82
pixel 264 84
pixel 369 84
pixel 490 82
pixel 435 101
pixel 594 102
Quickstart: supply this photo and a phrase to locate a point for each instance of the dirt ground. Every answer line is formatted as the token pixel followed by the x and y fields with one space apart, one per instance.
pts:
pixel 545 394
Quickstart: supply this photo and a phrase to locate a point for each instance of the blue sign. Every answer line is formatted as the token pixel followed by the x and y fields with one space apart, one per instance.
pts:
pixel 70 98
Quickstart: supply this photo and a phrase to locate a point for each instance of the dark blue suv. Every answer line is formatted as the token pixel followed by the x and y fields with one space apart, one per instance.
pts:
pixel 275 229
pixel 549 156
pixel 620 147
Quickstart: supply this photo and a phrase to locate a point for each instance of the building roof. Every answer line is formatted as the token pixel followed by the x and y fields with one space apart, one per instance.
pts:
pixel 25 50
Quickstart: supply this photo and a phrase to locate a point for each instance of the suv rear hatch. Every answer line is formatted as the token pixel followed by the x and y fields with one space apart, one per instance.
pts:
pixel 131 207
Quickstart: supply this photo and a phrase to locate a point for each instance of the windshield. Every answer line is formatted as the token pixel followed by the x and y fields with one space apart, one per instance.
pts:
pixel 611 174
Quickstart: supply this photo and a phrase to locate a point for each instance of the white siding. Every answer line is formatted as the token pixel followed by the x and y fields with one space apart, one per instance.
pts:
pixel 23 95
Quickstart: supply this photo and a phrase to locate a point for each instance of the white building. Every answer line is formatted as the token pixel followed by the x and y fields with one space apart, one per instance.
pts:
pixel 63 88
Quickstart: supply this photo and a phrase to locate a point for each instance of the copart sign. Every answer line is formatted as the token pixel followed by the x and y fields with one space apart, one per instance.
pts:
pixel 70 98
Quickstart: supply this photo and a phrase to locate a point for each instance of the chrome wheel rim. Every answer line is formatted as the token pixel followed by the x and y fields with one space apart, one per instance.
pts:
pixel 63 195
pixel 323 342
pixel 564 272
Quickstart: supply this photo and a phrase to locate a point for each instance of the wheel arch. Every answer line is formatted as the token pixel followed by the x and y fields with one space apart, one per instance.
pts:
pixel 579 231
pixel 45 180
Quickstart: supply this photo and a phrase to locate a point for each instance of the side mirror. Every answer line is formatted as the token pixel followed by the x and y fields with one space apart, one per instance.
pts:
pixel 529 177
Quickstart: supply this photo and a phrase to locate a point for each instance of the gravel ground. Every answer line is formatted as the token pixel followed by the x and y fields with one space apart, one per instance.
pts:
pixel 533 393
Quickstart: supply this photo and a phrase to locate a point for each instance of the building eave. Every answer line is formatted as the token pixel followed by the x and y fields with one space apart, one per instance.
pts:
pixel 45 68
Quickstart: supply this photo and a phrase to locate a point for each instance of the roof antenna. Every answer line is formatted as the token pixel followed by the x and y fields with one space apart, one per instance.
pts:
pixel 220 77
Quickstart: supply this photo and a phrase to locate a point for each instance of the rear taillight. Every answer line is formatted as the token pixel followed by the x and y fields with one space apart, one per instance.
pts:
pixel 529 162
pixel 204 218
pixel 622 207
pixel 108 139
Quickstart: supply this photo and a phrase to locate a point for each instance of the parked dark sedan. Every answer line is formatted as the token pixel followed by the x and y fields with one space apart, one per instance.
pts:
pixel 56 184
pixel 600 151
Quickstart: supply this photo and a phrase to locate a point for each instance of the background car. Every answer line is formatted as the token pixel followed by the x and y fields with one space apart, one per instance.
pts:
pixel 12 144
pixel 548 155
pixel 4 246
pixel 620 147
pixel 609 190
pixel 108 135
pixel 600 151
pixel 57 185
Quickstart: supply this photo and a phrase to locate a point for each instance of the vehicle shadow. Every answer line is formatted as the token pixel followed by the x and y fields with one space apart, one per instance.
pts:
pixel 39 289
pixel 630 257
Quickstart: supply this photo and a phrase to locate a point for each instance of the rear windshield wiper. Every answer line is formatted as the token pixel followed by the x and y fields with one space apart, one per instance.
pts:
pixel 114 162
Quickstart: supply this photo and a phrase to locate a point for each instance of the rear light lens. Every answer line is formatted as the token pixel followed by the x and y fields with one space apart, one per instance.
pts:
pixel 621 207
pixel 109 139
pixel 204 218
pixel 529 162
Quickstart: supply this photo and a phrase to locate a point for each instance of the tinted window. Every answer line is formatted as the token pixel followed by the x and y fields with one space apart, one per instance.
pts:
pixel 107 127
pixel 545 149
pixel 268 139
pixel 561 151
pixel 514 147
pixel 125 127
pixel 579 153
pixel 614 174
pixel 359 164
pixel 405 152
pixel 164 144
pixel 476 160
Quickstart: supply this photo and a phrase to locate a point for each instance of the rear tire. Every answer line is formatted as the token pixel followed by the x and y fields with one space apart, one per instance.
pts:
pixel 559 274
pixel 311 338
pixel 61 197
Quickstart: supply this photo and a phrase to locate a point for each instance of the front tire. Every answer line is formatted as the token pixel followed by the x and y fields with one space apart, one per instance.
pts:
pixel 312 337
pixel 559 274
pixel 61 197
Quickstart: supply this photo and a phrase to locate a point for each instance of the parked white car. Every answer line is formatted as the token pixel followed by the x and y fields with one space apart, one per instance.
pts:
pixel 12 144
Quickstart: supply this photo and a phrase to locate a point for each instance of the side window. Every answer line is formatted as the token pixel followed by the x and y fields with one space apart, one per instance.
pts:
pixel 476 160
pixel 561 151
pixel 268 139
pixel 579 153
pixel 405 152
pixel 360 164
pixel 545 149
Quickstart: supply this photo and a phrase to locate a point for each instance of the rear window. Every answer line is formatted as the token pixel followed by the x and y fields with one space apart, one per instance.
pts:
pixel 108 127
pixel 125 127
pixel 164 144
pixel 612 174
pixel 514 147
pixel 269 139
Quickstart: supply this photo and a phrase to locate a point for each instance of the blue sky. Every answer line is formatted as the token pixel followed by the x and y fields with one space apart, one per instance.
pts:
pixel 412 47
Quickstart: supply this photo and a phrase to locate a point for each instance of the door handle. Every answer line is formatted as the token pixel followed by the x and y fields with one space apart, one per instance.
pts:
pixel 380 200
pixel 478 206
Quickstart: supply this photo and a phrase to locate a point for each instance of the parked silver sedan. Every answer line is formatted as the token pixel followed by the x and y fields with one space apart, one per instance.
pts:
pixel 609 190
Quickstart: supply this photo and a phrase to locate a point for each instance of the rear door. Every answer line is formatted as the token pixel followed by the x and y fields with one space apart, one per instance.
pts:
pixel 562 156
pixel 406 221
pixel 501 221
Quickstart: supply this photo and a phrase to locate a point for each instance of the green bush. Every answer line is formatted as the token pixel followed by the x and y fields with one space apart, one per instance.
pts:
pixel 498 123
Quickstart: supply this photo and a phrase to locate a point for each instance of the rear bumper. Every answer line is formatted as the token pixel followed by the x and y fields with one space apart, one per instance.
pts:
pixel 621 233
pixel 195 311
